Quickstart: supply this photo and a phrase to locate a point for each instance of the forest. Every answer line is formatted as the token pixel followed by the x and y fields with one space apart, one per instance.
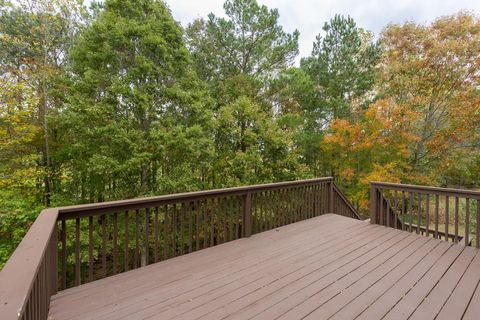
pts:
pixel 117 100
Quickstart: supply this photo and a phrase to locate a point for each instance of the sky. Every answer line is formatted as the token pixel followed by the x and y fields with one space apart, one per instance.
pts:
pixel 309 16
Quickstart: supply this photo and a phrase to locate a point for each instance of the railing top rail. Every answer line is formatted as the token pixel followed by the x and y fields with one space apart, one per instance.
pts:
pixel 427 189
pixel 18 275
pixel 111 206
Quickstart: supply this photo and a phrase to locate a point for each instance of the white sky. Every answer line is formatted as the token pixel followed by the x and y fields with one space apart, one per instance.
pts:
pixel 308 16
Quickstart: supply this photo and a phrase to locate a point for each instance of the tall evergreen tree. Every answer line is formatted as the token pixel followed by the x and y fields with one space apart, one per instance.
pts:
pixel 342 65
pixel 239 56
pixel 138 112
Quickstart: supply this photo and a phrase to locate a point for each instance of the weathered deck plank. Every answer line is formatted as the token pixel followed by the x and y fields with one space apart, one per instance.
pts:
pixel 328 266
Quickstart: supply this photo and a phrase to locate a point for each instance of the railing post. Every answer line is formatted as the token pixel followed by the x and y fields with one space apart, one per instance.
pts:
pixel 373 203
pixel 247 214
pixel 330 197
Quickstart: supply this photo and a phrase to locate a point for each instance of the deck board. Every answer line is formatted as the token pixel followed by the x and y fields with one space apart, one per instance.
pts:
pixel 325 267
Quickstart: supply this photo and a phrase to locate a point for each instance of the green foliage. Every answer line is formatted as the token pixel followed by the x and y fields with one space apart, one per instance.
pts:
pixel 342 65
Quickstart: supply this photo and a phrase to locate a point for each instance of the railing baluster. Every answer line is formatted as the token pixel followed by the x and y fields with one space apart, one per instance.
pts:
pixel 395 202
pixel 64 254
pixel 104 245
pixel 427 214
pixel 136 255
pixel 477 229
pixel 115 242
pixel 467 221
pixel 126 249
pixel 174 230
pixel 404 213
pixel 410 211
pixel 382 215
pixel 231 225
pixel 147 237
pixel 456 220
pixel 190 227
pixel 156 234
pixel 197 225
pixel 225 217
pixel 437 201
pixel 182 227
pixel 90 248
pixel 212 222
pixel 447 220
pixel 419 212
pixel 77 252
pixel 165 232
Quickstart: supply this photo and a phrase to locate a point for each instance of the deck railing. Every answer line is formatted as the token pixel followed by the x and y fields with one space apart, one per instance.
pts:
pixel 70 246
pixel 444 213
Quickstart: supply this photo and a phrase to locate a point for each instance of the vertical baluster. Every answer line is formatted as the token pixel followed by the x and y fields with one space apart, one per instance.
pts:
pixel 90 248
pixel 64 254
pixel 419 212
pixel 310 202
pixel 395 204
pixel 115 242
pixel 77 252
pixel 467 221
pixel 269 209
pixel 147 237
pixel 410 211
pixel 197 225
pixel 447 222
pixel 231 225
pixel 427 217
pixel 261 213
pixel 205 222
pixel 456 220
pixel 190 227
pixel 125 249
pixel 156 234
pixel 237 223
pixel 137 241
pixel 174 230
pixel 212 221
pixel 165 232
pixel 382 220
pixel 477 229
pixel 437 201
pixel 389 223
pixel 404 214
pixel 104 245
pixel 278 203
pixel 226 218
pixel 296 206
pixel 182 227
pixel 254 213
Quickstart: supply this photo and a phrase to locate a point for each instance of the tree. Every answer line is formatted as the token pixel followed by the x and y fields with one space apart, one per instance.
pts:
pixel 434 71
pixel 35 39
pixel 239 57
pixel 249 42
pixel 342 65
pixel 138 113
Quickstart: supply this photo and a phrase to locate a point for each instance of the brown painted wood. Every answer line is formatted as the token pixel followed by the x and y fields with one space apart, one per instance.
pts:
pixel 302 269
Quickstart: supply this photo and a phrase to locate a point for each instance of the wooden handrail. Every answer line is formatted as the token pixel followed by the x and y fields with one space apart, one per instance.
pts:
pixel 427 189
pixel 131 204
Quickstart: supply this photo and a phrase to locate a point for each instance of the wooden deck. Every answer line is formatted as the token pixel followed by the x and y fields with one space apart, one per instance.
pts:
pixel 328 267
